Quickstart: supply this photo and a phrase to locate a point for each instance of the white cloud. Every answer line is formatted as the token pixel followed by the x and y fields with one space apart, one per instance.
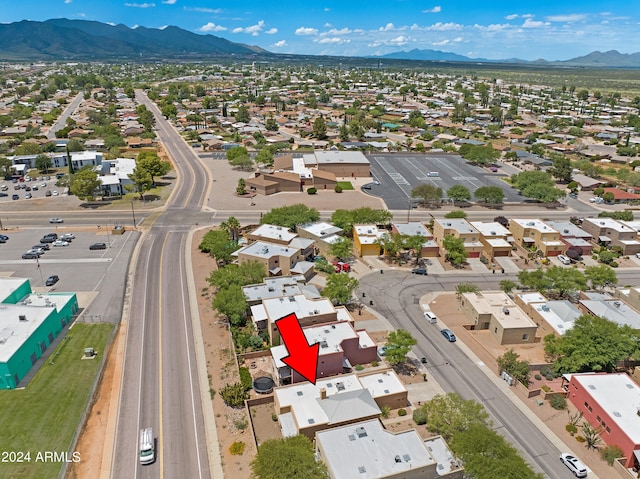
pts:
pixel 271 31
pixel 494 27
pixel 327 9
pixel 571 17
pixel 202 9
pixel 441 43
pixel 528 23
pixel 513 16
pixel 388 27
pixel 528 15
pixel 169 2
pixel 439 26
pixel 67 1
pixel 140 5
pixel 306 31
pixel 401 40
pixel 279 44
pixel 332 40
pixel 212 27
pixel 253 30
pixel 327 25
pixel 334 31
pixel 436 9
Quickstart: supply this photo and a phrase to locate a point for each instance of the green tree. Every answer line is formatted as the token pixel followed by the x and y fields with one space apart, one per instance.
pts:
pixel 537 185
pixel 28 149
pixel 427 193
pixel 608 197
pixel 592 344
pixel 291 216
pixel 6 166
pixel 241 189
pixel 392 244
pixel 238 156
pixel 415 243
pixel 85 183
pixel 153 164
pixel 450 414
pixel 565 281
pixel 141 180
pixel 339 288
pixel 169 110
pixel 456 214
pixel 601 275
pixel 462 288
pixel 271 124
pixel 345 219
pixel 341 248
pixel 489 194
pixel 232 227
pixel 459 193
pixel 231 303
pixel 264 157
pixel 250 272
pixel 290 457
pixel 399 343
pixel 456 253
pixel 561 169
pixel 320 128
pixel 511 363
pixel 243 114
pixel 43 163
pixel 507 285
pixel 218 245
pixel 479 154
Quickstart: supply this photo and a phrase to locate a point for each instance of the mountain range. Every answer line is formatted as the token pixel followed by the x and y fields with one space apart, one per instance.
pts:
pixel 63 39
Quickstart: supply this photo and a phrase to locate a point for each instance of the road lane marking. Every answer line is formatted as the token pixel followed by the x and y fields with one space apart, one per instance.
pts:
pixel 160 436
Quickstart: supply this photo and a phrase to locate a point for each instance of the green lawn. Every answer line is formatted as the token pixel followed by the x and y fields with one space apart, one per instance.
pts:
pixel 44 416
pixel 345 185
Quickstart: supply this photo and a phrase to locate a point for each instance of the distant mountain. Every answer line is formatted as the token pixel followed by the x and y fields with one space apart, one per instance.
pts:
pixel 83 40
pixel 612 58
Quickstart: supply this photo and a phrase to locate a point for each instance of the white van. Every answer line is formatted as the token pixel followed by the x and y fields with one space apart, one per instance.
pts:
pixel 147 446
pixel 433 173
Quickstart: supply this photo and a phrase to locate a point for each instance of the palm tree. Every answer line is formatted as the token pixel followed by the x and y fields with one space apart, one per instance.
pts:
pixel 232 226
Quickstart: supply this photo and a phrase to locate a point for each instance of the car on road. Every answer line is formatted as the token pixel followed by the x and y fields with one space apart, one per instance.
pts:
pixel 51 280
pixel 429 316
pixel 422 271
pixel 575 465
pixel 98 246
pixel 56 220
pixel 448 334
pixel 48 239
pixel 4 237
pixel 30 255
pixel 376 182
pixel 60 243
pixel 366 187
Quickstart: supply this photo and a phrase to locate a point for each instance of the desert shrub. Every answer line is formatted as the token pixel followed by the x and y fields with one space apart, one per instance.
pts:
pixel 274 417
pixel 402 412
pixel 245 378
pixel 611 453
pixel 571 428
pixel 385 411
pixel 613 264
pixel 337 189
pixel 312 191
pixel 237 448
pixel 580 439
pixel 358 367
pixel 420 415
pixel 559 402
pixel 538 377
pixel 545 388
pixel 241 424
pixel 374 363
pixel 234 394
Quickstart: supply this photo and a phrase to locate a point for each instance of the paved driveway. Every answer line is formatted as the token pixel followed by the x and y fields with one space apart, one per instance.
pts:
pixel 398 174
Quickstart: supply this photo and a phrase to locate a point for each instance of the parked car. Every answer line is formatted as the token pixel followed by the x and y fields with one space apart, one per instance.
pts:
pixel 564 259
pixel 47 193
pixel 55 192
pixel 30 255
pixel 98 246
pixel 341 267
pixel 15 197
pixel 3 194
pixel 56 220
pixel 43 185
pixel 44 246
pixel 38 248
pixel 4 237
pixel 28 196
pixel 51 280
pixel 575 465
pixel 4 187
pixel 60 242
pixel 366 187
pixel 422 271
pixel 68 237
pixel 448 334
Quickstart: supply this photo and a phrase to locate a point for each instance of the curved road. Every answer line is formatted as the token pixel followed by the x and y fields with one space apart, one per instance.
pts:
pixel 160 386
pixel 396 297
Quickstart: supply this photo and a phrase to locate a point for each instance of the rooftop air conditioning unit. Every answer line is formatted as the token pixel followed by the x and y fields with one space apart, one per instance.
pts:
pixel 22 317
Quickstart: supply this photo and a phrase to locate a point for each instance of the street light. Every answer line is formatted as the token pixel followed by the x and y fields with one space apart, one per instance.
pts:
pixel 133 213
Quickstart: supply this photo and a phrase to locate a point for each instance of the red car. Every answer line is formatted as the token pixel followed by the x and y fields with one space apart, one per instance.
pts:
pixel 341 267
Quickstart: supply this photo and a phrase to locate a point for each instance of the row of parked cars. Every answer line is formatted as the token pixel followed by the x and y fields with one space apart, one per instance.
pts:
pixel 48 240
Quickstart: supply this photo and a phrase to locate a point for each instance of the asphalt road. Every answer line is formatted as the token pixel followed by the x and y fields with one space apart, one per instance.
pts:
pixel 160 384
pixel 397 297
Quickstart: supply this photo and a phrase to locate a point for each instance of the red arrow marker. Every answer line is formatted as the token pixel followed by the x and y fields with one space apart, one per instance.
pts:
pixel 302 358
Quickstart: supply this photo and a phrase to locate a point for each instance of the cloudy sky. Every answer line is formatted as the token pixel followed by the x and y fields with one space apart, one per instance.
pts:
pixel 496 29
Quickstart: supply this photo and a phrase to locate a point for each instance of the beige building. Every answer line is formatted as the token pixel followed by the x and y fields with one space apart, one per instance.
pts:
pixel 497 312
pixel 460 228
pixel 350 164
pixel 608 231
pixel 279 260
pixel 365 240
pixel 533 232
pixel 495 238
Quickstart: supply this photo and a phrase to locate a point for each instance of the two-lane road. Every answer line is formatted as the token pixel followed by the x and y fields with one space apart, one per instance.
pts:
pixel 160 387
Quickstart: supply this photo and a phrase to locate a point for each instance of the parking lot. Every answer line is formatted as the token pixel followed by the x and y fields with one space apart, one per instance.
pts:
pixel 398 174
pixel 38 187
pixel 81 270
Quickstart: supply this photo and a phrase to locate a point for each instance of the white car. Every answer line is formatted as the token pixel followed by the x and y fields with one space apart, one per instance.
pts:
pixel 56 220
pixel 429 316
pixel 68 237
pixel 60 243
pixel 574 464
pixel 564 259
pixel 55 193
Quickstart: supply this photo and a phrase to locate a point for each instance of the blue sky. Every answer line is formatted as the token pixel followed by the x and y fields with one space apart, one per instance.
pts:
pixel 494 29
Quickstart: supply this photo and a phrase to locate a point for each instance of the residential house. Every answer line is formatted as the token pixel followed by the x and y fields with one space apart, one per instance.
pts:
pixel 610 403
pixel 613 309
pixel 496 239
pixel 533 232
pixel 573 236
pixel 323 234
pixel 460 228
pixel 279 286
pixel 416 228
pixel 365 239
pixel 341 347
pixel 497 312
pixel 551 317
pixel 608 231
pixel 366 449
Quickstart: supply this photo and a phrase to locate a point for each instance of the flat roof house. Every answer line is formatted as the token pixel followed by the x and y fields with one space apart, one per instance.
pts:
pixel 497 312
pixel 573 236
pixel 608 231
pixel 496 239
pixel 552 317
pixel 533 232
pixel 323 234
pixel 610 403
pixel 415 228
pixel 365 239
pixel 460 228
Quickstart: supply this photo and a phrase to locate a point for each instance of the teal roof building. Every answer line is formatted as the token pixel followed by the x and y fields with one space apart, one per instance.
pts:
pixel 29 323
